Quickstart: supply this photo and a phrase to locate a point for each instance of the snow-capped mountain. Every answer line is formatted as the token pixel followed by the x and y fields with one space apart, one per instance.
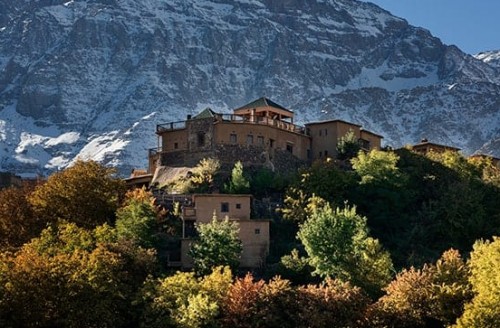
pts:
pixel 91 78
pixel 490 57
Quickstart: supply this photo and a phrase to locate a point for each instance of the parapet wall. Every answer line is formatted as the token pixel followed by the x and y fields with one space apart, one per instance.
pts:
pixel 277 160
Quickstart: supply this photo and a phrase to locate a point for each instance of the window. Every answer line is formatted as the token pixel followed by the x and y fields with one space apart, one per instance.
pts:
pixel 289 147
pixel 326 132
pixel 233 138
pixel 365 144
pixel 260 140
pixel 309 154
pixel 224 207
pixel 249 139
pixel 320 154
pixel 257 231
pixel 176 145
pixel 201 139
pixel 238 206
pixel 271 143
pixel 320 133
pixel 189 229
pixel 326 153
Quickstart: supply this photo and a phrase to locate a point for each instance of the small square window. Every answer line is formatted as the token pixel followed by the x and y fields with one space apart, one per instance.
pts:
pixel 233 138
pixel 224 207
pixel 238 206
pixel 271 143
pixel 289 147
pixel 257 231
pixel 176 145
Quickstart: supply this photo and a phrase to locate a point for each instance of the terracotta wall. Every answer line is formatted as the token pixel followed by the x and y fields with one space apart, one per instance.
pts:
pixel 325 137
pixel 254 235
pixel 171 137
pixel 272 137
pixel 205 205
pixel 374 140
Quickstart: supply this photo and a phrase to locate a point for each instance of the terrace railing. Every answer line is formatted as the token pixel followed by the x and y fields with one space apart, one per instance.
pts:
pixel 170 126
pixel 239 119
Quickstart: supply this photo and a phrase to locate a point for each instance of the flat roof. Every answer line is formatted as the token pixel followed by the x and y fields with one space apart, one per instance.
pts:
pixel 332 121
pixel 428 143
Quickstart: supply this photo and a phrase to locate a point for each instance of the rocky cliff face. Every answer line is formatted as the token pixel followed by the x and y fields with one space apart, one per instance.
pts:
pixel 91 79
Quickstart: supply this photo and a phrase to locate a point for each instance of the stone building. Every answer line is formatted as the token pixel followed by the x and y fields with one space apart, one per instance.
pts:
pixel 259 133
pixel 425 146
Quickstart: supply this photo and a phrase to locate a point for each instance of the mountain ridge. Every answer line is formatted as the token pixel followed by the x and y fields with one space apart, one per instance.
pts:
pixel 90 79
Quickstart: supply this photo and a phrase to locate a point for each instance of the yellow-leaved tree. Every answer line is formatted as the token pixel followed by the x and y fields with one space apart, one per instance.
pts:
pixel 86 193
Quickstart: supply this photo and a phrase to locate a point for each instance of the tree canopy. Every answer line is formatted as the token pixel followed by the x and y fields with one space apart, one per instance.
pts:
pixel 238 183
pixel 86 193
pixel 217 244
pixel 338 246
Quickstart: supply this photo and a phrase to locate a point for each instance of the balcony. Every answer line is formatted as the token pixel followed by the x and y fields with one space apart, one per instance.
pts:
pixel 170 126
pixel 287 126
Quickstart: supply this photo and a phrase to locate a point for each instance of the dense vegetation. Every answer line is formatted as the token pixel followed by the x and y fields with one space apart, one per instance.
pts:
pixel 383 239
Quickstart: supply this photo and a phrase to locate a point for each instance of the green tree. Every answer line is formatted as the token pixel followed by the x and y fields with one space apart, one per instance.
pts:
pixel 338 246
pixel 377 165
pixel 483 310
pixel 324 179
pixel 86 193
pixel 217 244
pixel 238 184
pixel 137 219
pixel 348 146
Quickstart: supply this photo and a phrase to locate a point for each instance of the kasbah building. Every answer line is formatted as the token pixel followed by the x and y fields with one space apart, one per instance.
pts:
pixel 259 134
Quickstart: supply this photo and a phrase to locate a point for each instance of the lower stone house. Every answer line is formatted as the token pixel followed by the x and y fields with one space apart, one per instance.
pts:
pixel 254 233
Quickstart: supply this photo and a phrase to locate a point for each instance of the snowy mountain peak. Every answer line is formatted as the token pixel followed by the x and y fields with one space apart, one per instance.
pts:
pixel 490 57
pixel 91 79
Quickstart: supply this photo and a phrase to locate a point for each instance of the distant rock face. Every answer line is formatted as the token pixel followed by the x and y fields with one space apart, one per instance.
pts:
pixel 490 57
pixel 90 79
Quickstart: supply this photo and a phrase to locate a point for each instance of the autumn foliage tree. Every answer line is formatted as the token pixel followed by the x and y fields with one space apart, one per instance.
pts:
pixel 436 293
pixel 484 264
pixel 183 300
pixel 17 222
pixel 86 193
pixel 72 277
